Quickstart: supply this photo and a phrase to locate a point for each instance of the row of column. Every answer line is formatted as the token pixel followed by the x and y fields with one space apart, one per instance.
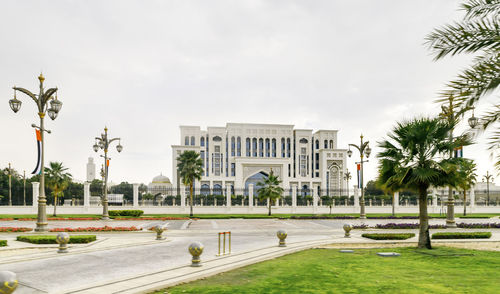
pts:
pixel 135 203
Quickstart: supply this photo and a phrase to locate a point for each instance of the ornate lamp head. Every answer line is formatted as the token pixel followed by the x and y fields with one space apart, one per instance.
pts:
pixel 56 104
pixel 349 152
pixel 368 151
pixel 119 148
pixel 52 113
pixel 14 103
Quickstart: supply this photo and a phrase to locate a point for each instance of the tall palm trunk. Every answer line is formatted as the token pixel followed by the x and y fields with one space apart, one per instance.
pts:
pixel 393 205
pixel 424 240
pixel 55 205
pixel 270 201
pixel 465 202
pixel 191 199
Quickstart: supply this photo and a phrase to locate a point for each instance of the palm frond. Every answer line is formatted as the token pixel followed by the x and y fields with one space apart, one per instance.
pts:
pixel 466 37
pixel 481 8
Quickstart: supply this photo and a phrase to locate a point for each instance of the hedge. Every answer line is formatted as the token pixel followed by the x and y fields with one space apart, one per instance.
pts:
pixel 134 213
pixel 457 235
pixel 51 239
pixel 3 243
pixel 388 236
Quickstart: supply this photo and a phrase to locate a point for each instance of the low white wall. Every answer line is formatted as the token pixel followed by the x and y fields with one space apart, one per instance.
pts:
pixel 242 209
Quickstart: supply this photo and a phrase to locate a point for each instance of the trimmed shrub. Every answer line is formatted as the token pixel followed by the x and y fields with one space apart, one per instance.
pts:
pixel 458 235
pixel 324 217
pixel 388 236
pixel 406 226
pixel 3 243
pixel 133 213
pixel 51 239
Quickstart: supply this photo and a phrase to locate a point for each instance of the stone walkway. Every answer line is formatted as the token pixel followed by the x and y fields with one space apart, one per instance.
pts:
pixel 133 262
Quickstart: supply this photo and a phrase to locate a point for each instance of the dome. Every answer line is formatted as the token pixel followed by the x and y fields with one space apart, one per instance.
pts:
pixel 161 179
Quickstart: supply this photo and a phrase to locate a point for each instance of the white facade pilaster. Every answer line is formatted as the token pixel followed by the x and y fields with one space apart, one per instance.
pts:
pixel 86 194
pixel 135 199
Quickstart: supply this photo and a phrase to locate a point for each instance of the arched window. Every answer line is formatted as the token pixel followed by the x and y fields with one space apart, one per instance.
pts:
pixel 205 190
pixel 261 147
pixel 268 148
pixel 186 141
pixel 254 147
pixel 283 148
pixel 217 189
pixel 326 144
pixel 273 146
pixel 249 149
pixel 217 139
pixel 202 141
pixel 317 144
pixel 238 146
pixel 192 140
pixel 303 141
pixel 288 147
pixel 233 146
pixel 331 144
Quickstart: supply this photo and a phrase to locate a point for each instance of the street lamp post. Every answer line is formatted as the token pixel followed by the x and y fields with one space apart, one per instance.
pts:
pixel 487 177
pixel 42 101
pixel 363 149
pixel 24 188
pixel 103 142
pixel 9 173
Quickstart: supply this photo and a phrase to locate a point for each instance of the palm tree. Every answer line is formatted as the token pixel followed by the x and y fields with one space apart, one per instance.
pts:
pixel 415 158
pixel 270 189
pixel 189 166
pixel 57 180
pixel 466 178
pixel 477 33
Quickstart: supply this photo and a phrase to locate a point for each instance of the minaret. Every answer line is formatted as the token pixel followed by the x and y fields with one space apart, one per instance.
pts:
pixel 90 170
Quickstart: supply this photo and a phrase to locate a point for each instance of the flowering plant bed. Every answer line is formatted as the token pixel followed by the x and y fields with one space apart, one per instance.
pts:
pixel 406 226
pixel 14 229
pixel 479 226
pixel 6 219
pixel 60 218
pixel 96 229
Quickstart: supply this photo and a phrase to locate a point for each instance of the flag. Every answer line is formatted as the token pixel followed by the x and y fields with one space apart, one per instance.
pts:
pixel 360 177
pixel 459 152
pixel 38 168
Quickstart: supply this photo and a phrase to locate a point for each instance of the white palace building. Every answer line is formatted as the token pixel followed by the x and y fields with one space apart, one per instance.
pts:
pixel 238 155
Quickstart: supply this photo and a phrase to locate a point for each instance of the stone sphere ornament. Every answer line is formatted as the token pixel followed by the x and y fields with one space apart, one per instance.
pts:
pixel 8 282
pixel 159 231
pixel 62 239
pixel 282 236
pixel 347 229
pixel 196 249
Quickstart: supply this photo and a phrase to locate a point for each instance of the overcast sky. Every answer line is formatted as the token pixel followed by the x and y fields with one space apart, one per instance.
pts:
pixel 143 68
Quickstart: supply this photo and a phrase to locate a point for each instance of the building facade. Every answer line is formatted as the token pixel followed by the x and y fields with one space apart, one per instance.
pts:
pixel 238 155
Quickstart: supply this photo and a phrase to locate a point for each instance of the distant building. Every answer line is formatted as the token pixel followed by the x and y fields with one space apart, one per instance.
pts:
pixel 160 185
pixel 241 154
pixel 90 170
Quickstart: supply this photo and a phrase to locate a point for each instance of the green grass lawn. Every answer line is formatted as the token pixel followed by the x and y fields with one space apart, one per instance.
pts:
pixel 441 270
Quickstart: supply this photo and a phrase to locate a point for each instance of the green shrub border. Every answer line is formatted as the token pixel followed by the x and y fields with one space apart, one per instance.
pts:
pixel 3 243
pixel 465 235
pixel 131 212
pixel 388 236
pixel 51 239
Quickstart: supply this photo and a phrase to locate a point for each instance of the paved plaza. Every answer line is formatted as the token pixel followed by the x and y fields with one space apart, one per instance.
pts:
pixel 136 262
